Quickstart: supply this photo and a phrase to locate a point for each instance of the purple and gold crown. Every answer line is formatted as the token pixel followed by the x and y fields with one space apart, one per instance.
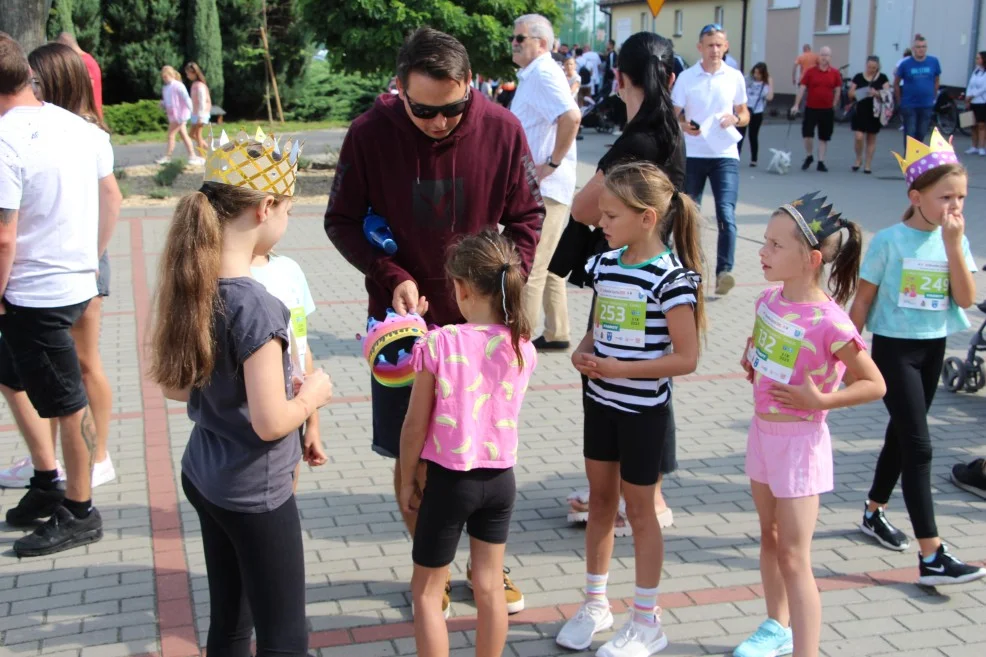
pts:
pixel 815 219
pixel 920 158
pixel 387 347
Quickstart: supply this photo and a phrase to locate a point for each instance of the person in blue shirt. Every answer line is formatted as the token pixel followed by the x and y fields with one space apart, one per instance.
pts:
pixel 916 89
pixel 914 282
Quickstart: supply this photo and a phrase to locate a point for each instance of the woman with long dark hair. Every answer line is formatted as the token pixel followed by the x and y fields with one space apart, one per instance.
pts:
pixel 61 78
pixel 645 74
pixel 760 91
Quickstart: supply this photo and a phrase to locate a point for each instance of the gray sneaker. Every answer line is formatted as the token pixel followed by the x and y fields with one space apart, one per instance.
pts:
pixel 724 283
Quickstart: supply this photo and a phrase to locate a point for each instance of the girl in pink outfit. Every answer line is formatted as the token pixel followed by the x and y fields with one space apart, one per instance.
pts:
pixel 462 423
pixel 201 103
pixel 178 105
pixel 803 343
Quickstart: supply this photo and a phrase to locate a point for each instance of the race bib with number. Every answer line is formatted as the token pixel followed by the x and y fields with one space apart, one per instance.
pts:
pixel 776 343
pixel 924 285
pixel 620 315
pixel 299 322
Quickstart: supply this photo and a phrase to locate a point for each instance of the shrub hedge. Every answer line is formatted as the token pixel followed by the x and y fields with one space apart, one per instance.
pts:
pixel 131 118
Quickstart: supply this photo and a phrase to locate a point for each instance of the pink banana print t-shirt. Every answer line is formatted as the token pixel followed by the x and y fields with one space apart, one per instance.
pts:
pixel 479 389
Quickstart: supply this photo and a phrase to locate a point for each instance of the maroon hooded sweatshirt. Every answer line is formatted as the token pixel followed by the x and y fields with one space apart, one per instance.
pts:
pixel 431 192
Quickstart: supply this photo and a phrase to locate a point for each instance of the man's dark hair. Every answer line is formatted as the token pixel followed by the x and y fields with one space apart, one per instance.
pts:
pixel 435 54
pixel 612 43
pixel 15 72
pixel 578 52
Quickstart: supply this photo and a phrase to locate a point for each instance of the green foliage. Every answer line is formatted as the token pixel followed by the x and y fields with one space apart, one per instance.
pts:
pixel 131 118
pixel 365 35
pixel 304 163
pixel 168 173
pixel 205 44
pixel 329 95
pixel 120 173
pixel 159 193
pixel 83 18
pixel 140 36
pixel 125 190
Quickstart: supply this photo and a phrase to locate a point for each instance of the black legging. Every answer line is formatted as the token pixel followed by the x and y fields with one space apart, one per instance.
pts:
pixel 754 131
pixel 911 369
pixel 256 568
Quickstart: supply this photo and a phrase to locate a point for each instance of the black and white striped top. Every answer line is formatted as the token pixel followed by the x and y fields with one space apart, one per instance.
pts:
pixel 629 322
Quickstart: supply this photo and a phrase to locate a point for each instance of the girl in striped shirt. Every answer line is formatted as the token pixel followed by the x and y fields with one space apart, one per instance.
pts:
pixel 647 316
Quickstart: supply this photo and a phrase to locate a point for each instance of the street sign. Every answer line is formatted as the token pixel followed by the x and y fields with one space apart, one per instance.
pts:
pixel 655 6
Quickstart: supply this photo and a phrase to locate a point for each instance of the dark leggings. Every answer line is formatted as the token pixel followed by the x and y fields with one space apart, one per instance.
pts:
pixel 911 369
pixel 256 568
pixel 754 133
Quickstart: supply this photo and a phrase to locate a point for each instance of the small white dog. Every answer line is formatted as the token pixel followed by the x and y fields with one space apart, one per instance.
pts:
pixel 780 163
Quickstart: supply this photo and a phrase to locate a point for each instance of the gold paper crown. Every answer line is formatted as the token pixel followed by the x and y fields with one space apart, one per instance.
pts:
pixel 258 163
pixel 920 158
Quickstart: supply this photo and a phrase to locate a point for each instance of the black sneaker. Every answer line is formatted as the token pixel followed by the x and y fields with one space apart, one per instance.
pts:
pixel 946 569
pixel 553 345
pixel 807 163
pixel 822 167
pixel 877 526
pixel 63 531
pixel 37 504
pixel 971 477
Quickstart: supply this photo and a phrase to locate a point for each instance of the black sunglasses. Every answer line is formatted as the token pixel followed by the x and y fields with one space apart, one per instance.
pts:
pixel 431 111
pixel 710 28
pixel 519 38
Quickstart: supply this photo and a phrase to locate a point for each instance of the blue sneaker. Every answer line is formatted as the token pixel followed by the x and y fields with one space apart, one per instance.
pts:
pixel 770 640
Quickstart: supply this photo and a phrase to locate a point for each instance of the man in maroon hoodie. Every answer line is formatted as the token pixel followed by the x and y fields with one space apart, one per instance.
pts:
pixel 437 161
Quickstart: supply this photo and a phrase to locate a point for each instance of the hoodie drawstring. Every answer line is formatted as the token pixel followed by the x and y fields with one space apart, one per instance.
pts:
pixel 455 151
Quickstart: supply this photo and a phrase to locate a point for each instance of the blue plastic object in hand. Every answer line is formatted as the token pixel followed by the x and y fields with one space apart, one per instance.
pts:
pixel 378 233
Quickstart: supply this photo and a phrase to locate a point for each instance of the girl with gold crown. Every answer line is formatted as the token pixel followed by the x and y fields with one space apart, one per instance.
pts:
pixel 916 279
pixel 221 344
pixel 803 344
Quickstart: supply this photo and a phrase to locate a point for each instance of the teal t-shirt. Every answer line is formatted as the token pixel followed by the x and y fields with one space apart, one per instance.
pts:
pixel 909 268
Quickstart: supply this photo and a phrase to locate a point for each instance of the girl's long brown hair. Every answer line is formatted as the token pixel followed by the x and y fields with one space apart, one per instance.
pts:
pixel 844 254
pixel 64 81
pixel 182 334
pixel 930 178
pixel 490 263
pixel 196 71
pixel 642 186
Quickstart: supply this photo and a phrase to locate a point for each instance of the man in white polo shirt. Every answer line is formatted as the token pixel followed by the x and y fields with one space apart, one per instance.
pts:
pixel 545 107
pixel 711 88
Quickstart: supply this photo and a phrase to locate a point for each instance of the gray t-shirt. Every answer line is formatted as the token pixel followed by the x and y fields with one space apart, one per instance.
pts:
pixel 225 459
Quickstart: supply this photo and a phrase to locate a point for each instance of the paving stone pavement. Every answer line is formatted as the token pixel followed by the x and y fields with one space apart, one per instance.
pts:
pixel 142 590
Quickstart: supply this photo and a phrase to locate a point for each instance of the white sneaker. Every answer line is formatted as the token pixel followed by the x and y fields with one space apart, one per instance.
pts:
pixel 196 161
pixel 982 151
pixel 19 474
pixel 971 150
pixel 103 472
pixel 164 159
pixel 577 633
pixel 635 640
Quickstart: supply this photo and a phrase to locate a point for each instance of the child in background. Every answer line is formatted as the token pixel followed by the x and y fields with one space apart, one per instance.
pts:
pixel 461 426
pixel 201 103
pixel 803 342
pixel 649 312
pixel 220 343
pixel 285 280
pixel 910 324
pixel 178 106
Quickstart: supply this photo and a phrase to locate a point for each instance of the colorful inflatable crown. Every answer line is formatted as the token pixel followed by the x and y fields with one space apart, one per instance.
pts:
pixel 387 347
pixel 259 163
pixel 921 159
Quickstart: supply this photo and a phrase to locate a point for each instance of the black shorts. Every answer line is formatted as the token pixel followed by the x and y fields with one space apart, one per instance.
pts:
pixel 389 406
pixel 480 500
pixel 103 278
pixel 979 111
pixel 824 119
pixel 643 443
pixel 37 355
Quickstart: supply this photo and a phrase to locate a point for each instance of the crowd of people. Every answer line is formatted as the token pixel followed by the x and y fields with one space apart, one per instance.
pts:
pixel 482 203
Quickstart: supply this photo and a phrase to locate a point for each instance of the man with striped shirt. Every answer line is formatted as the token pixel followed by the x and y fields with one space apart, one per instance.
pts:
pixel 550 118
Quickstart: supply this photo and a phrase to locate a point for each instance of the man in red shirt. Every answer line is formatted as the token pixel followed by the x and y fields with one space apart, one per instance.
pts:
pixel 824 86
pixel 95 75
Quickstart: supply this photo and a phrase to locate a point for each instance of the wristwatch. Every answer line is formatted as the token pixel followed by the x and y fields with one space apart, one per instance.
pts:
pixel 553 165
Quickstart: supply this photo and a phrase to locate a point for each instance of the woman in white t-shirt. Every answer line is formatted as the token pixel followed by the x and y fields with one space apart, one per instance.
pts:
pixel 201 103
pixel 62 80
pixel 759 91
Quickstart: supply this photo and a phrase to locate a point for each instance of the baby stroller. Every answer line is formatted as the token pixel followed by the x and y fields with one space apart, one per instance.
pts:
pixel 969 374
pixel 602 113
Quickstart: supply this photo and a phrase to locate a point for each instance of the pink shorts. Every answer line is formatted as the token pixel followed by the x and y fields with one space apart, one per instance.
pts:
pixel 793 458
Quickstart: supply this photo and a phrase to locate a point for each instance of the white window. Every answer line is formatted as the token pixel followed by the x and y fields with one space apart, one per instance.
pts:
pixel 720 15
pixel 785 4
pixel 679 22
pixel 839 13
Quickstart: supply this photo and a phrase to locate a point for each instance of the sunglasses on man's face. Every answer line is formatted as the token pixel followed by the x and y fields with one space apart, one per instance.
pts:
pixel 710 29
pixel 519 38
pixel 431 111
